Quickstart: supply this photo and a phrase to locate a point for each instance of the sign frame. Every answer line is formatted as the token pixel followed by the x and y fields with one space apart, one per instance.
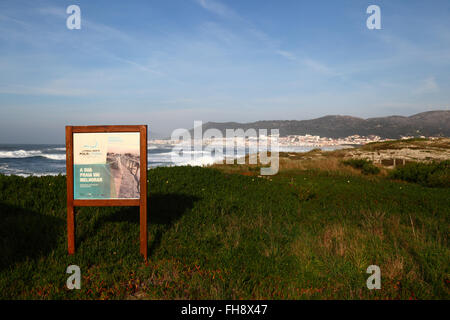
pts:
pixel 141 202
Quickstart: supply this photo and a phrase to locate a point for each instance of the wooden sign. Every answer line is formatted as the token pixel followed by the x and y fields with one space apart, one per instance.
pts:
pixel 106 166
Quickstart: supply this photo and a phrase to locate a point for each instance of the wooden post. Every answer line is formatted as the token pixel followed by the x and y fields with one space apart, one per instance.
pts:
pixel 69 180
pixel 71 229
pixel 143 197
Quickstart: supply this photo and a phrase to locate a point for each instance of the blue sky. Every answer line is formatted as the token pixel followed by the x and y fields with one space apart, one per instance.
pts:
pixel 168 63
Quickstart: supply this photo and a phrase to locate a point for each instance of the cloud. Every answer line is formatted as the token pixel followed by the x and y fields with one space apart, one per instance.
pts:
pixel 8 19
pixel 273 44
pixel 428 85
pixel 319 67
pixel 313 64
pixel 138 65
pixel 286 54
pixel 217 8
pixel 224 11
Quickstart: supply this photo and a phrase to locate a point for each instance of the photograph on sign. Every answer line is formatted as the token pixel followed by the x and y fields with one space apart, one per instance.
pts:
pixel 106 165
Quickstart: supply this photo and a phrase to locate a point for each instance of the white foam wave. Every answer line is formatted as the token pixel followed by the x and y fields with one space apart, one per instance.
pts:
pixel 202 161
pixel 20 154
pixel 54 156
pixel 53 174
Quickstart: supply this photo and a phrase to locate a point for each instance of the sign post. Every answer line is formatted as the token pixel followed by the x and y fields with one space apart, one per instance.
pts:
pixel 106 166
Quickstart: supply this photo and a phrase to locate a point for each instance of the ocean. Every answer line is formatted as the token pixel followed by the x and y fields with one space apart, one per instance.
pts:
pixel 50 159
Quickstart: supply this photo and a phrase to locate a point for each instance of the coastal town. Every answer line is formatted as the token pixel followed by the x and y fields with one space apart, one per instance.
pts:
pixel 290 140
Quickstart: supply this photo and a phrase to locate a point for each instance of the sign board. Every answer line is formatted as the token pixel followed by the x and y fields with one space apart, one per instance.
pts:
pixel 106 166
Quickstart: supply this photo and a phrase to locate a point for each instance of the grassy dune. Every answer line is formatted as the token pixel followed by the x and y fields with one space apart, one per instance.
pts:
pixel 307 233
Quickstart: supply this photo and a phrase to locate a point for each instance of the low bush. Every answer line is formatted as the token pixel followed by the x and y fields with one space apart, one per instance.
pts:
pixel 435 174
pixel 366 166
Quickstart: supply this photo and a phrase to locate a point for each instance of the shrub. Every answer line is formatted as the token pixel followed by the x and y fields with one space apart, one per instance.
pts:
pixel 365 166
pixel 435 174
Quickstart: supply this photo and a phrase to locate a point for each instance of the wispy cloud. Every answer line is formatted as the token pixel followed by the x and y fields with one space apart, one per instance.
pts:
pixel 218 8
pixel 319 67
pixel 286 54
pixel 273 44
pixel 9 19
pixel 312 64
pixel 428 85
pixel 138 65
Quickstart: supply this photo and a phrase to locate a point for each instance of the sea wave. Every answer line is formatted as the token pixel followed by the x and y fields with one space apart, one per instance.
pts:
pixel 25 175
pixel 20 154
pixel 54 156
pixel 202 161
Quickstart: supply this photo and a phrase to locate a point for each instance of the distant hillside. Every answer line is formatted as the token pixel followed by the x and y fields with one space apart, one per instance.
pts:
pixel 431 123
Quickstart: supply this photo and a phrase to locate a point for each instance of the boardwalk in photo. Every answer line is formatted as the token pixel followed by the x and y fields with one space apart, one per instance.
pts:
pixel 125 170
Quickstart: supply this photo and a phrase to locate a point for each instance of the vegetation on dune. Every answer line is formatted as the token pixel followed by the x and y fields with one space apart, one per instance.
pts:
pixel 365 166
pixel 302 234
pixel 435 174
pixel 413 143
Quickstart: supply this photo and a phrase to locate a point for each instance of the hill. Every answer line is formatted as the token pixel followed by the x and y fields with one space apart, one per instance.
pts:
pixel 431 123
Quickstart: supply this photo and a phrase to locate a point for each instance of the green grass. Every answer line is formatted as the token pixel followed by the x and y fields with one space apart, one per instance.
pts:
pixel 212 235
